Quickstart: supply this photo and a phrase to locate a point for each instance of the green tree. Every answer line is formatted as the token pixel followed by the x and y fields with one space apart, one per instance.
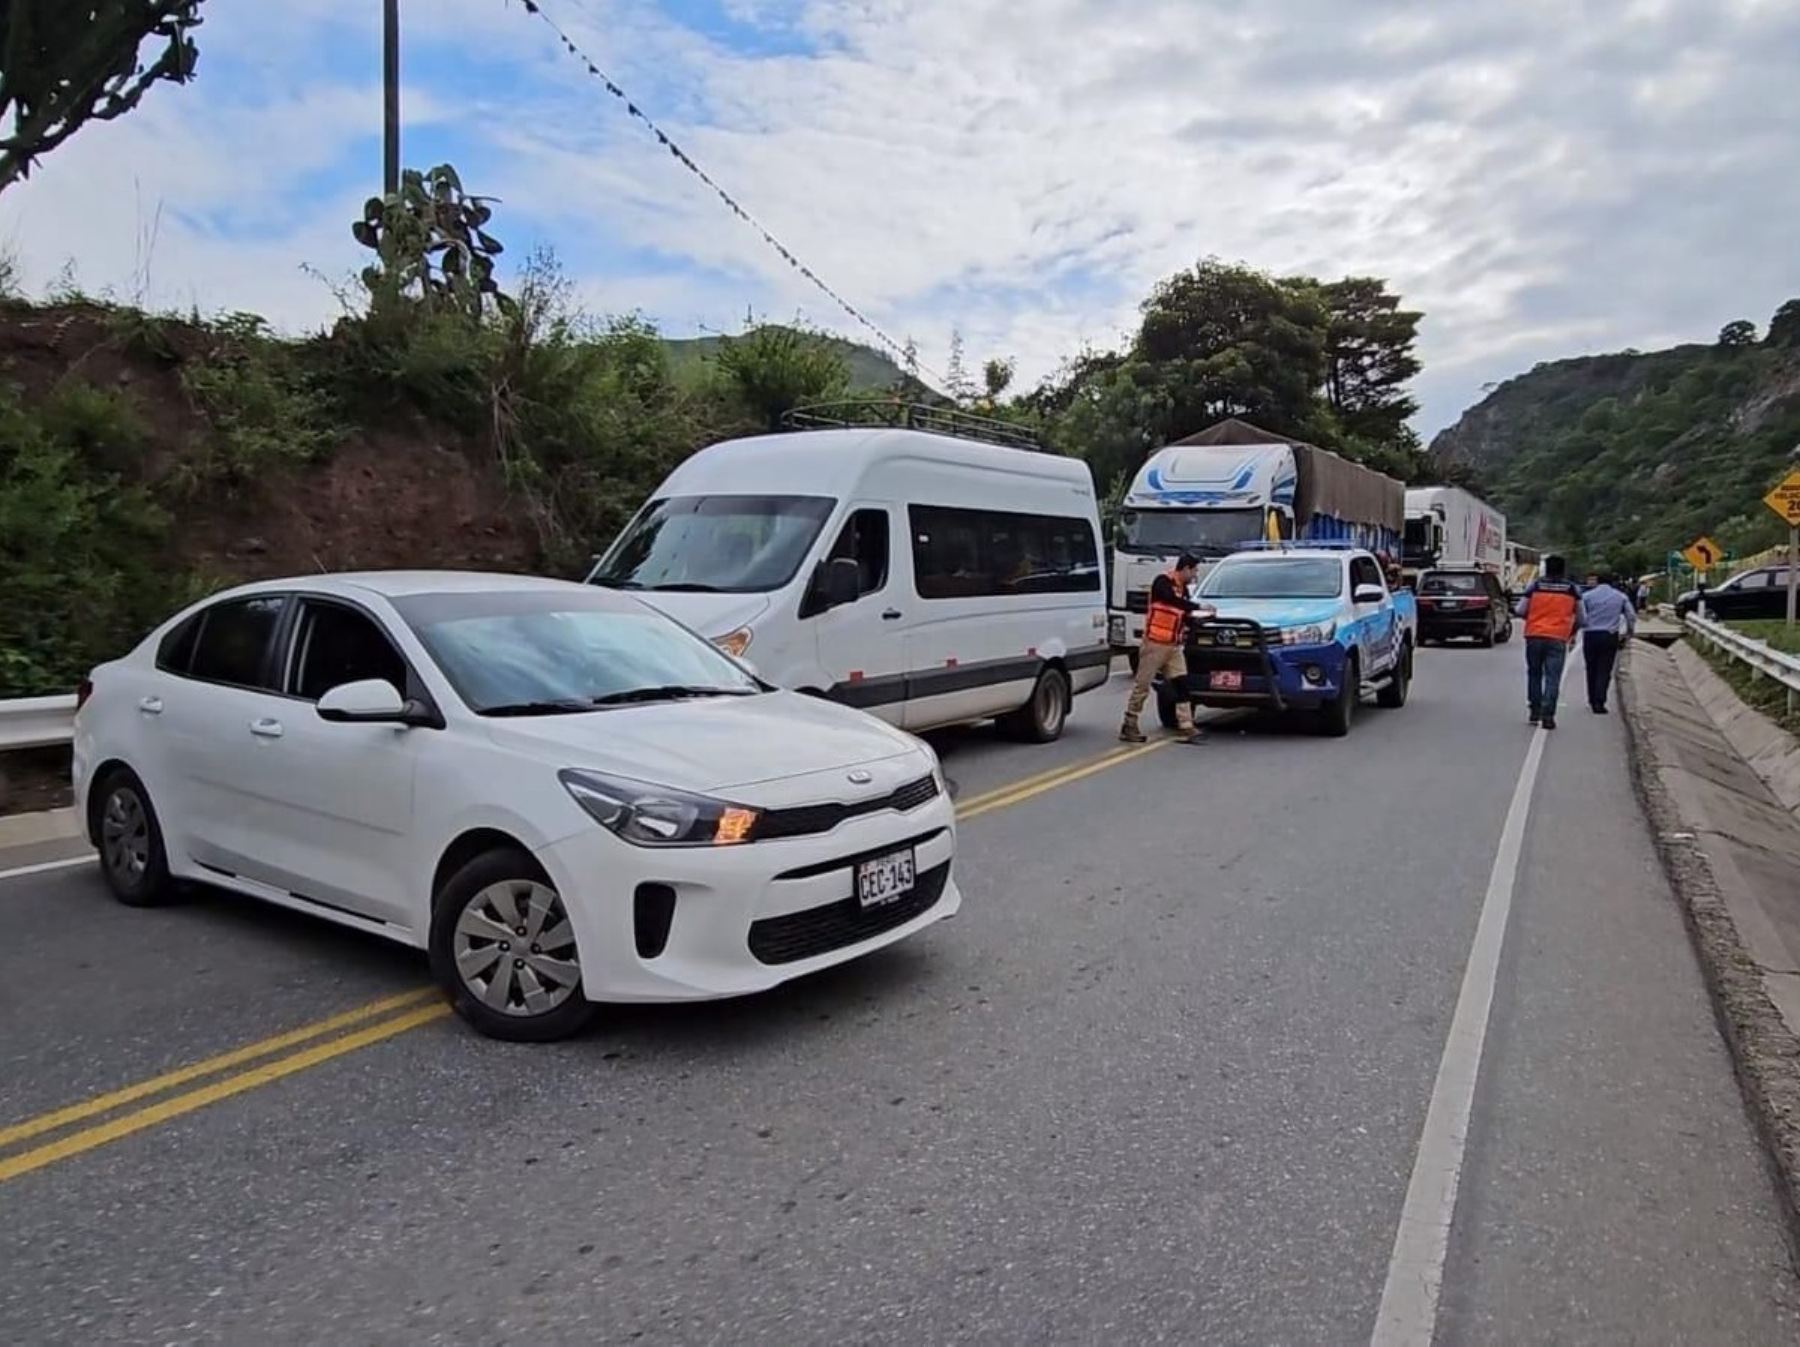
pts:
pixel 997 377
pixel 1784 327
pixel 775 368
pixel 1740 333
pixel 64 63
pixel 1232 341
pixel 1369 359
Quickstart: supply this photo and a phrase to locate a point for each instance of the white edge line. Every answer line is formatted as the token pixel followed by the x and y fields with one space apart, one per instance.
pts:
pixel 1415 1277
pixel 45 867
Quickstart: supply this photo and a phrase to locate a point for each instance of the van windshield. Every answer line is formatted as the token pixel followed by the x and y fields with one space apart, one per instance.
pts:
pixel 714 544
pixel 1200 533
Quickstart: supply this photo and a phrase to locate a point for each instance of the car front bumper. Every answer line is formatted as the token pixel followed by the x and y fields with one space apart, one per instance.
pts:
pixel 746 918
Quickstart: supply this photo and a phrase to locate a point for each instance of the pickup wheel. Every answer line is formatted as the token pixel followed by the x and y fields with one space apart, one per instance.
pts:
pixel 1393 694
pixel 1166 703
pixel 1336 716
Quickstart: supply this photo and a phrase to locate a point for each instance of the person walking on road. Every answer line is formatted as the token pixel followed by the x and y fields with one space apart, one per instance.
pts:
pixel 1643 595
pixel 1551 607
pixel 1161 652
pixel 1607 618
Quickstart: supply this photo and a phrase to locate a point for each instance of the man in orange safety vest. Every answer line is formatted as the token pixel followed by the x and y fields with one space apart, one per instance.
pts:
pixel 1161 652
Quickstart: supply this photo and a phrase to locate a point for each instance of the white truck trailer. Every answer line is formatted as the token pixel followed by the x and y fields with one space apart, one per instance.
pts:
pixel 1447 526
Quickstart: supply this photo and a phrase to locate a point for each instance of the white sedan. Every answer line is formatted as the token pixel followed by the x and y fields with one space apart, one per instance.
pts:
pixel 559 793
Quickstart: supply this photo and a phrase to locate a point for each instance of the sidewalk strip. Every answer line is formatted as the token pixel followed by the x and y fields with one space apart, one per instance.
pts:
pixel 105 1103
pixel 89 1138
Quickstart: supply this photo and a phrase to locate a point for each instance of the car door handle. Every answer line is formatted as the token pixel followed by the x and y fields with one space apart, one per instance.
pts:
pixel 892 615
pixel 150 706
pixel 266 728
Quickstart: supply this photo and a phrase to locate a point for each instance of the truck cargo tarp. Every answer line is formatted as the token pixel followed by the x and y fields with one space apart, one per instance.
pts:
pixel 1358 495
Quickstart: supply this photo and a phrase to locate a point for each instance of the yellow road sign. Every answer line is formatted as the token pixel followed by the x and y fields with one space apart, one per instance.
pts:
pixel 1785 499
pixel 1703 554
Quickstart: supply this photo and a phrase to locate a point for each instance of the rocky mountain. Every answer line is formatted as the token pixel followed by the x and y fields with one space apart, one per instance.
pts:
pixel 1621 457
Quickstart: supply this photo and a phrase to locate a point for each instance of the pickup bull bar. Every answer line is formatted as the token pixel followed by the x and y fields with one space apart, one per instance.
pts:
pixel 1242 641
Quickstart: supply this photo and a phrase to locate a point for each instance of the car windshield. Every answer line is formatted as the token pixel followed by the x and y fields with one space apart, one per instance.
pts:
pixel 546 653
pixel 1440 583
pixel 1199 532
pixel 727 544
pixel 1276 578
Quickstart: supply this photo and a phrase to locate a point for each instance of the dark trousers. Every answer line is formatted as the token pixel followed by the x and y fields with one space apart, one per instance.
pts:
pixel 1599 652
pixel 1544 657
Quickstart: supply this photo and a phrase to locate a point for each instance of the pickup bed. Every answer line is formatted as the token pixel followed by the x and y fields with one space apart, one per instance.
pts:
pixel 1297 629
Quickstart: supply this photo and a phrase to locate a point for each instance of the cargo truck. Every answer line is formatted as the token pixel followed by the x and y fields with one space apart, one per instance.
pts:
pixel 1232 484
pixel 1447 527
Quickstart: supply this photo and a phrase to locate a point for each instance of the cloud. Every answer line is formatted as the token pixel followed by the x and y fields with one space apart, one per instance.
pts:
pixel 1539 183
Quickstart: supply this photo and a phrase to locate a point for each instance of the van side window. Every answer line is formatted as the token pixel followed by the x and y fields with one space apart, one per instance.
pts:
pixel 865 541
pixel 959 554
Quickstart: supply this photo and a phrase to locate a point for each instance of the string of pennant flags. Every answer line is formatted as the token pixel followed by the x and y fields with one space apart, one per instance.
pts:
pixel 909 359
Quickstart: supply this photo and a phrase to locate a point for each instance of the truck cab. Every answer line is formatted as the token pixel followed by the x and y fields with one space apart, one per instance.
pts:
pixel 1297 629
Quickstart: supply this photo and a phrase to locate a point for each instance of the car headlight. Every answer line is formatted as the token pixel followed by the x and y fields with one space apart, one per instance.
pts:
pixel 1316 633
pixel 658 816
pixel 734 644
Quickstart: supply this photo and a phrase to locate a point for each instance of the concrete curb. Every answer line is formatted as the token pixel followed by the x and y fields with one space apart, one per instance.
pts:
pixel 1765 1051
pixel 50 825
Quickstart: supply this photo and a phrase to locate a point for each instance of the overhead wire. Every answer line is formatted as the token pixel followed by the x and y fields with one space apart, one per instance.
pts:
pixel 909 358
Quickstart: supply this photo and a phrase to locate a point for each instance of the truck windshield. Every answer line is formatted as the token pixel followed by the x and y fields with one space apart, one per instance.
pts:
pixel 714 544
pixel 1201 533
pixel 1286 578
pixel 1416 541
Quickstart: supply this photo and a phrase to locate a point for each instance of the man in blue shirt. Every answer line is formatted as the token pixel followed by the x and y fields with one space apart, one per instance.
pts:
pixel 1607 617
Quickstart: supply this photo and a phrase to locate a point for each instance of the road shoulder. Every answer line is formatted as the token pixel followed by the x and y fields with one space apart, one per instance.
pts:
pixel 1732 854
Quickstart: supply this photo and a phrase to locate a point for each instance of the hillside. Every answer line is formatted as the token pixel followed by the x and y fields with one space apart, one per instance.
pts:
pixel 1622 457
pixel 870 370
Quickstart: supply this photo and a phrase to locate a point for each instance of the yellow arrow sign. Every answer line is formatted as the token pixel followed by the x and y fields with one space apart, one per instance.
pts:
pixel 1785 499
pixel 1703 554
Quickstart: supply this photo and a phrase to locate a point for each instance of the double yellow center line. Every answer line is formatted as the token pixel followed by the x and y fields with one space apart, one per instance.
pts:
pixel 122 1112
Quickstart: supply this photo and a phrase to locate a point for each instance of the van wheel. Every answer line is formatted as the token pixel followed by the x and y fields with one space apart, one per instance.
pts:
pixel 1041 720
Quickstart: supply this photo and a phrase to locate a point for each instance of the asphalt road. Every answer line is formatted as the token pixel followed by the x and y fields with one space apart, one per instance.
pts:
pixel 1164 1079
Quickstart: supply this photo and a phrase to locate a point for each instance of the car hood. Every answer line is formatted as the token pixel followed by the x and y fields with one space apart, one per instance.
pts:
pixel 712 615
pixel 711 744
pixel 1278 612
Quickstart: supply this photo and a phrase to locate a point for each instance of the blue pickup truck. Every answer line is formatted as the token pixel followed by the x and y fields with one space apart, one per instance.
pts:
pixel 1297 629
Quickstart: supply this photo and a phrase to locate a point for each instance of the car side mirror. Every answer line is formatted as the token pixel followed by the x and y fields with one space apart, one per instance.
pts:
pixel 369 701
pixel 1369 594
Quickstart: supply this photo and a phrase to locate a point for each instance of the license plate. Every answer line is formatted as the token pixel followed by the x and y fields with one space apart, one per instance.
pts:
pixel 884 879
pixel 1226 680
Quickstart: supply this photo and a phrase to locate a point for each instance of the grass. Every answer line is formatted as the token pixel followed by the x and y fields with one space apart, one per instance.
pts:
pixel 1762 693
pixel 1774 631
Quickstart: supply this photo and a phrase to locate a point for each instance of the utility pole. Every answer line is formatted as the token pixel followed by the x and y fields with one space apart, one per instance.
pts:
pixel 390 81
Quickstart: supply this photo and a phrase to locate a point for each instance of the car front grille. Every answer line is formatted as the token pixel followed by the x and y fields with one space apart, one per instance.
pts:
pixel 819 930
pixel 1138 601
pixel 810 819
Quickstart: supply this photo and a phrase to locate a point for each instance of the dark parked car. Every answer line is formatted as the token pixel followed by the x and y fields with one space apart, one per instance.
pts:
pixel 1463 603
pixel 1758 593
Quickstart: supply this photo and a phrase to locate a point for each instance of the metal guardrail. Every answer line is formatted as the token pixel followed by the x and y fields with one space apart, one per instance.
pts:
pixel 36 722
pixel 1759 655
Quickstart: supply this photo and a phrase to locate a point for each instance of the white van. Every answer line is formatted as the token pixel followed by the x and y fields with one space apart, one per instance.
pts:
pixel 928 579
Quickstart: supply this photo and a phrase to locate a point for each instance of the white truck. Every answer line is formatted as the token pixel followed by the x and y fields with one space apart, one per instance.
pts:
pixel 1232 484
pixel 1447 526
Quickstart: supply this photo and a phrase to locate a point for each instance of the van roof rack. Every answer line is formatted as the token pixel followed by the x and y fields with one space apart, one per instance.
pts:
pixel 900 415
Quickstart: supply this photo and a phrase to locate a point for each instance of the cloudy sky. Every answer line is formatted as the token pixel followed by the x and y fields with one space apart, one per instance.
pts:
pixel 1542 177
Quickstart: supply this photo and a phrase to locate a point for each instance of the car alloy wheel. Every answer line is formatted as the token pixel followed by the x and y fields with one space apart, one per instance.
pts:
pixel 125 837
pixel 515 949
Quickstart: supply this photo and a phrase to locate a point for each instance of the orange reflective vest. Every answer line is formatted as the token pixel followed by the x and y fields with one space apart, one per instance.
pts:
pixel 1551 608
pixel 1162 623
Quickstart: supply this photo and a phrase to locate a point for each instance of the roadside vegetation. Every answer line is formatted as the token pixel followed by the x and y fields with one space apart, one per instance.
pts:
pixel 1764 694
